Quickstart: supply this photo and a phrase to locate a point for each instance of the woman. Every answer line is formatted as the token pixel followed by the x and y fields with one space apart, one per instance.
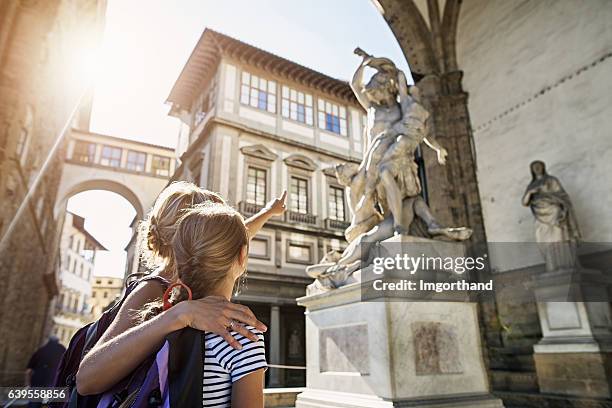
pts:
pixel 127 342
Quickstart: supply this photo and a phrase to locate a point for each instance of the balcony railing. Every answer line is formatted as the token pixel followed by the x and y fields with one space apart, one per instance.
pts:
pixel 331 223
pixel 293 216
pixel 249 208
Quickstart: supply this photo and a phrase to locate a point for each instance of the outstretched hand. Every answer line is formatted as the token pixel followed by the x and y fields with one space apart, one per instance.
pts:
pixel 278 205
pixel 442 153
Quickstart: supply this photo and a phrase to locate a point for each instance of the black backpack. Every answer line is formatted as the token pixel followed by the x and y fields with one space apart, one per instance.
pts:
pixel 84 340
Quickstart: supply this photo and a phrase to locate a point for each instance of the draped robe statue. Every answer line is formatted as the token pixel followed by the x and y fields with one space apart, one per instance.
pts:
pixel 557 232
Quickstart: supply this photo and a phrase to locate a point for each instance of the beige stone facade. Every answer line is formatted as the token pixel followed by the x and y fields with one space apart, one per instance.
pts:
pixel 39 41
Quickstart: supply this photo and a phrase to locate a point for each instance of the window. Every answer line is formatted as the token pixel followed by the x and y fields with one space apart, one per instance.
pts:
pixel 111 156
pixel 332 117
pixel 136 161
pixel 93 294
pixel 297 105
pixel 299 253
pixel 259 248
pixel 258 92
pixel 84 152
pixel 336 203
pixel 160 166
pixel 256 186
pixel 105 295
pixel 98 281
pixel 299 195
pixel 205 104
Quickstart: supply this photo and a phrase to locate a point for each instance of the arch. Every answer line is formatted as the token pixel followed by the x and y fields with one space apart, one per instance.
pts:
pixel 429 46
pixel 99 184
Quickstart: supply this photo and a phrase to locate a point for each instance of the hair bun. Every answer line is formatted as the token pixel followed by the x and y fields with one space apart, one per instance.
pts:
pixel 154 239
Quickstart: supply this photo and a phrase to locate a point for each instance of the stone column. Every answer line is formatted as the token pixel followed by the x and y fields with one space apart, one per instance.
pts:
pixel 275 345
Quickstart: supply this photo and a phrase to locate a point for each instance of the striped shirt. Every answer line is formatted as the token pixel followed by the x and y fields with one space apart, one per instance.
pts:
pixel 224 365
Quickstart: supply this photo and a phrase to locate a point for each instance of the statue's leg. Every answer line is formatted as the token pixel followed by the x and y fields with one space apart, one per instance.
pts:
pixel 434 228
pixel 421 209
pixel 394 201
pixel 364 242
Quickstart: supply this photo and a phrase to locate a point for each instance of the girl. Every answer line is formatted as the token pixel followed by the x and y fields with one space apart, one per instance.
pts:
pixel 211 247
pixel 127 343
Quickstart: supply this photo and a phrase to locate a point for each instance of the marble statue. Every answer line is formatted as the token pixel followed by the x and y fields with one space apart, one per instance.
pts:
pixel 384 190
pixel 557 232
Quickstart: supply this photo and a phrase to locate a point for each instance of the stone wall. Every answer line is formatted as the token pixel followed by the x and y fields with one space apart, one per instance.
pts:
pixel 537 74
pixel 40 44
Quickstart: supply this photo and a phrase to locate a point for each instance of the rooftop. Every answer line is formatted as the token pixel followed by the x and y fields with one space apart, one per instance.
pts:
pixel 212 45
pixel 78 222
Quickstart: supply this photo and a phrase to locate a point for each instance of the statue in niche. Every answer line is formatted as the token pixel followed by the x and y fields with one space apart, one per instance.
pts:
pixel 295 344
pixel 557 232
pixel 384 190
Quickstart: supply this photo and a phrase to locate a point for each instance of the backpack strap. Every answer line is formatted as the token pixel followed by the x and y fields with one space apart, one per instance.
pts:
pixel 186 368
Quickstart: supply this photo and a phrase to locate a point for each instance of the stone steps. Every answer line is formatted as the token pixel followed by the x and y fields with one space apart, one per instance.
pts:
pixel 537 400
pixel 523 381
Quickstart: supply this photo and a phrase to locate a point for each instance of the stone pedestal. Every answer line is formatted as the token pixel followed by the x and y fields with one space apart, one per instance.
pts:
pixel 393 352
pixel 574 356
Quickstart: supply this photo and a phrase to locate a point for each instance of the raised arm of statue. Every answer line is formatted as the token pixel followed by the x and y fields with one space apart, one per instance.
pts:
pixel 404 95
pixel 357 83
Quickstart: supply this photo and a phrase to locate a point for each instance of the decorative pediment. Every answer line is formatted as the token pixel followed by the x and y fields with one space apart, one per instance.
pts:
pixel 330 171
pixel 260 151
pixel 301 162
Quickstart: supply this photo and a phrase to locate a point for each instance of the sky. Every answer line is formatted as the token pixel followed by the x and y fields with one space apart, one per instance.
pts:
pixel 147 42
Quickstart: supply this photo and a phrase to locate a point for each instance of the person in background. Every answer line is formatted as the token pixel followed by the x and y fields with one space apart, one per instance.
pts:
pixel 43 364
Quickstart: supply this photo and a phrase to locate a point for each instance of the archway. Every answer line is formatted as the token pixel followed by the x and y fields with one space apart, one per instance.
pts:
pixel 99 184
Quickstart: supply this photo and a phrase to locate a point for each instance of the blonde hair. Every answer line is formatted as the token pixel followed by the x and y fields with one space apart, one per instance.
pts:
pixel 207 243
pixel 157 230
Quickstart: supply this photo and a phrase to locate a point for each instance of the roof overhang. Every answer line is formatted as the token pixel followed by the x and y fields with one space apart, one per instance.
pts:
pixel 212 46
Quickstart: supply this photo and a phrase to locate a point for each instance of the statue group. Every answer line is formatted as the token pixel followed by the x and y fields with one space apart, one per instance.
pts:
pixel 384 189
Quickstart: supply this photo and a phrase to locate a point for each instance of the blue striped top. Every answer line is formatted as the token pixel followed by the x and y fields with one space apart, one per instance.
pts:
pixel 224 365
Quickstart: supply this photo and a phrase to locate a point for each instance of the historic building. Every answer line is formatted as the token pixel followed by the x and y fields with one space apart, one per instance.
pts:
pixel 104 291
pixel 508 83
pixel 255 124
pixel 77 252
pixel 41 84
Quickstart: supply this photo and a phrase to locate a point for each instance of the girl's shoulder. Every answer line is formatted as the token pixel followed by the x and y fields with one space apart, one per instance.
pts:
pixel 225 354
pixel 237 363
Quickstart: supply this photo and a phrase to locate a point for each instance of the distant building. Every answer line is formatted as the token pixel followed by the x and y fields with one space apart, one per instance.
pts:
pixel 104 291
pixel 254 124
pixel 78 250
pixel 137 171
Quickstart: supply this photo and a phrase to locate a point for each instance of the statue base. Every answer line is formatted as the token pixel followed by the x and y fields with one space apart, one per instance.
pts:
pixel 393 352
pixel 575 353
